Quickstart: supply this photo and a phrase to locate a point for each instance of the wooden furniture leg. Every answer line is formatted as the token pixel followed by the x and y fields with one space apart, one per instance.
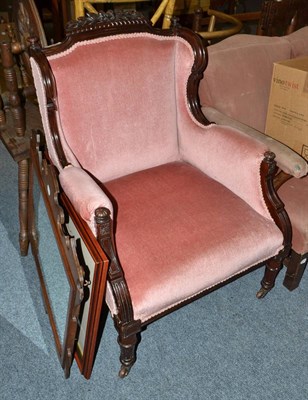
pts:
pixel 16 141
pixel 296 264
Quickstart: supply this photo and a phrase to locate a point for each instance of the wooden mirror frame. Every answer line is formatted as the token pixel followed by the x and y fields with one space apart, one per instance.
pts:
pixel 49 188
pixel 95 261
pixel 76 243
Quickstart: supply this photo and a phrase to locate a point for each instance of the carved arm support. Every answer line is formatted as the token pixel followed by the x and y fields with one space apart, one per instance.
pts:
pixel 273 202
pixel 125 316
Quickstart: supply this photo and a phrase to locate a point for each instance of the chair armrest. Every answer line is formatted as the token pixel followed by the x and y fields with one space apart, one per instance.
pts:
pixel 230 157
pixel 84 193
pixel 287 160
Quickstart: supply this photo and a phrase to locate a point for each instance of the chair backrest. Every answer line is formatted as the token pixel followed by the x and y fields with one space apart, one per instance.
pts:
pixel 117 95
pixel 282 17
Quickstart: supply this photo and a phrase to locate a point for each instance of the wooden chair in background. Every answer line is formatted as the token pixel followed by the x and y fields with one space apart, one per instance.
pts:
pixel 15 138
pixel 275 17
pixel 19 86
pixel 206 20
pixel 282 17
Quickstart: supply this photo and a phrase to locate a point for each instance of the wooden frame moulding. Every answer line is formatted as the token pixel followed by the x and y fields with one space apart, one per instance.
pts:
pixel 83 260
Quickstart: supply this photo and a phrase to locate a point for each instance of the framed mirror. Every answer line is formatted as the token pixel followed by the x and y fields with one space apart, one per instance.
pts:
pixel 71 266
pixel 60 273
pixel 95 266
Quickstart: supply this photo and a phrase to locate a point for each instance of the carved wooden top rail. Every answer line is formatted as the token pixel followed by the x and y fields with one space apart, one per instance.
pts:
pixel 107 19
pixel 112 23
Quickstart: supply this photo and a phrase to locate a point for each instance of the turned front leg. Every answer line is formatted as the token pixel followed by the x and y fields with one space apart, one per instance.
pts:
pixel 128 348
pixel 273 266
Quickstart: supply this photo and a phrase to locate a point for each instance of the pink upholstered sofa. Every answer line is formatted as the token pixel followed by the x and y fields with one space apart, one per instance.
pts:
pixel 235 92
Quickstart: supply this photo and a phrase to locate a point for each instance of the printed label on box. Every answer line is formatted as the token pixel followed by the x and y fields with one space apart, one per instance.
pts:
pixel 287 117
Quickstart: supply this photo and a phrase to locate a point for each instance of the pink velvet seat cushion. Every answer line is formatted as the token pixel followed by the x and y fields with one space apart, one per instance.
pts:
pixel 294 194
pixel 179 232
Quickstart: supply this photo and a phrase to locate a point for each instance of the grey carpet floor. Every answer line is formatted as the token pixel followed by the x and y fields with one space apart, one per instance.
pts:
pixel 225 346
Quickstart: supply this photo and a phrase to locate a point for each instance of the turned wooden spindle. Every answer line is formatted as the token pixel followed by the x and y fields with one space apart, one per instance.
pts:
pixel 10 77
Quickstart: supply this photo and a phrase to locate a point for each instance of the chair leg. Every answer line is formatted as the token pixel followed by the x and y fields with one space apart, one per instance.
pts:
pixel 296 264
pixel 128 340
pixel 273 266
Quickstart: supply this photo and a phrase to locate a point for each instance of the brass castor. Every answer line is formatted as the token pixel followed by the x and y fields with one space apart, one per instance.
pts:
pixel 124 371
pixel 262 293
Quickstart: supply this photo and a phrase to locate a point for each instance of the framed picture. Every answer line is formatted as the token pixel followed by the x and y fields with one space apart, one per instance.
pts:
pixel 95 266
pixel 71 265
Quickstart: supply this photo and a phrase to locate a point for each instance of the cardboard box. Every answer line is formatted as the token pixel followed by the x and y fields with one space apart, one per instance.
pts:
pixel 287 116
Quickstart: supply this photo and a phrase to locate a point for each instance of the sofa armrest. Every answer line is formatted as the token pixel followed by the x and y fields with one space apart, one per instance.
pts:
pixel 287 160
pixel 84 193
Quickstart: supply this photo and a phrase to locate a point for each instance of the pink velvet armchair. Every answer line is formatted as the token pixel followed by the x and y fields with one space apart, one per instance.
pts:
pixel 235 92
pixel 178 206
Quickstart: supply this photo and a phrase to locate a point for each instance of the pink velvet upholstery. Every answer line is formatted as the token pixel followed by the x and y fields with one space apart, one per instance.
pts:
pixel 298 42
pixel 41 95
pixel 135 139
pixel 42 101
pixel 85 195
pixel 202 148
pixel 287 160
pixel 120 101
pixel 181 205
pixel 294 194
pixel 238 76
pixel 235 92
